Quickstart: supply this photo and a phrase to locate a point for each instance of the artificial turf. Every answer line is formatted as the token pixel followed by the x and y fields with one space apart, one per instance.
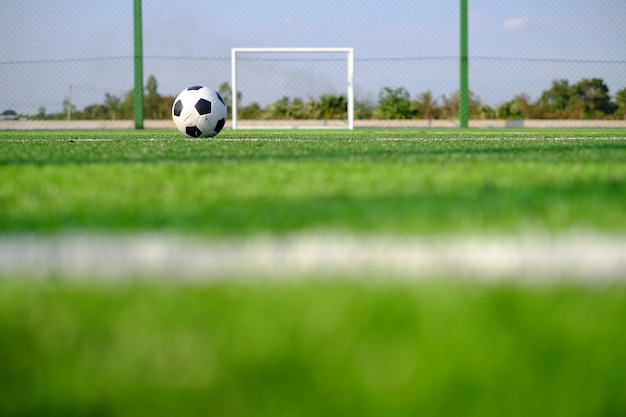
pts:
pixel 148 346
pixel 242 183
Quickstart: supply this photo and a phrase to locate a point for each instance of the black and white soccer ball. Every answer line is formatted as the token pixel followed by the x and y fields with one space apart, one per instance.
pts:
pixel 199 112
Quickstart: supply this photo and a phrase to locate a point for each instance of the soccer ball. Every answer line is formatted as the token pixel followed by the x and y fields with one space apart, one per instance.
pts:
pixel 199 112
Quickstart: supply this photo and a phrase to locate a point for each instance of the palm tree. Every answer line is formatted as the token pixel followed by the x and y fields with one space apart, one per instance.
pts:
pixel 427 105
pixel 227 94
pixel 112 103
pixel 332 107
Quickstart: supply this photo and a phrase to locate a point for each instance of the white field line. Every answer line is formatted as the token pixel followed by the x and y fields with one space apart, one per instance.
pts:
pixel 528 257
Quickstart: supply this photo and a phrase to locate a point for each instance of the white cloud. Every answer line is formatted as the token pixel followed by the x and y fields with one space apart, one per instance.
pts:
pixel 514 23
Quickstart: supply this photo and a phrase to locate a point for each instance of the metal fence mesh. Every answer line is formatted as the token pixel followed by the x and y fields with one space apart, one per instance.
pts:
pixel 78 55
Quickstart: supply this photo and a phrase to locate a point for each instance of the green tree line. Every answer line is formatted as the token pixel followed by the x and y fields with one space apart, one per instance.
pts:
pixel 586 99
pixel 156 106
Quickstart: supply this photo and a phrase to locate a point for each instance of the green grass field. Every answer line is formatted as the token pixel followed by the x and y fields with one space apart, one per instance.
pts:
pixel 306 345
pixel 278 182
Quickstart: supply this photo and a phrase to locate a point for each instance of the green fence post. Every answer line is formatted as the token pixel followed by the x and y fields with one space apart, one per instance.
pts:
pixel 138 93
pixel 464 70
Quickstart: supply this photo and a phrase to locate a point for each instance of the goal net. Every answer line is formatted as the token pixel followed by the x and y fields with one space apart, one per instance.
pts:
pixel 292 88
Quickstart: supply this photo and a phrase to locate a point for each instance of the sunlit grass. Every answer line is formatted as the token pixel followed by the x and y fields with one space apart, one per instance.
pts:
pixel 258 182
pixel 313 348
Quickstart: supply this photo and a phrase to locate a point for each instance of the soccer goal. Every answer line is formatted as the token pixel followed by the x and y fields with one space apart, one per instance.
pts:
pixel 292 88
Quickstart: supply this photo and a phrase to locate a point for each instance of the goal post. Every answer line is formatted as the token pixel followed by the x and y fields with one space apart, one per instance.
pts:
pixel 349 53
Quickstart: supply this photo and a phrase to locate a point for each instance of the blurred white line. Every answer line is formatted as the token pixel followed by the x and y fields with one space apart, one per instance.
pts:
pixel 533 257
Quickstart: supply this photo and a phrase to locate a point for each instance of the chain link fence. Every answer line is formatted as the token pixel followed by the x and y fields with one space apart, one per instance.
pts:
pixel 72 59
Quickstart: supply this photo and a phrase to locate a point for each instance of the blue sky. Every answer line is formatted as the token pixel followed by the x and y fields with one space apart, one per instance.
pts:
pixel 34 30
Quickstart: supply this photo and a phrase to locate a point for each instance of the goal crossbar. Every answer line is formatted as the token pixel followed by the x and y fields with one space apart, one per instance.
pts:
pixel 350 74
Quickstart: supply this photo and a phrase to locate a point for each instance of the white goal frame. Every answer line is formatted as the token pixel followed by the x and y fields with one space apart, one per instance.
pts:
pixel 350 72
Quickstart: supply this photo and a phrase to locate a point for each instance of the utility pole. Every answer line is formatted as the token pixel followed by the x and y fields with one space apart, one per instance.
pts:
pixel 68 107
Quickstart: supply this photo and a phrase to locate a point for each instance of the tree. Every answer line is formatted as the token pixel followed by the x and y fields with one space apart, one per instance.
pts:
pixel 152 100
pixel 127 106
pixel 588 98
pixel 518 108
pixel 620 103
pixel 279 109
pixel 152 85
pixel 9 114
pixel 95 111
pixel 450 106
pixel 332 107
pixel 525 106
pixel 310 109
pixel 594 96
pixel 487 112
pixel 227 94
pixel 112 103
pixel 41 113
pixel 553 102
pixel 394 103
pixel 364 109
pixel 426 106
pixel 251 112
